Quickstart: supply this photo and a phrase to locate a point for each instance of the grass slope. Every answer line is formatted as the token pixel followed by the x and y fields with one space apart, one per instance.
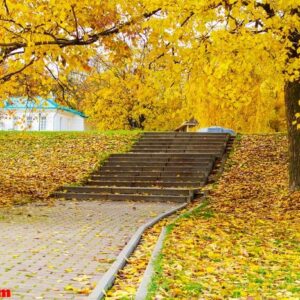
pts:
pixel 33 164
pixel 245 244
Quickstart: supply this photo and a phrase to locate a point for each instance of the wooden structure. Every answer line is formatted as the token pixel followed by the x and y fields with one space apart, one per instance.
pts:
pixel 187 125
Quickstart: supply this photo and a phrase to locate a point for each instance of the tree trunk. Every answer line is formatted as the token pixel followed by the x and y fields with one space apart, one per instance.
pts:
pixel 292 101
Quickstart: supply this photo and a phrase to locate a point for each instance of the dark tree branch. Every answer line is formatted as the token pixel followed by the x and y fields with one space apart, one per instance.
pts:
pixel 10 54
pixel 12 21
pixel 187 19
pixel 18 35
pixel 6 7
pixel 61 85
pixel 150 14
pixel 116 29
pixel 267 8
pixel 76 21
pixel 64 29
pixel 213 6
pixel 79 41
pixel 8 76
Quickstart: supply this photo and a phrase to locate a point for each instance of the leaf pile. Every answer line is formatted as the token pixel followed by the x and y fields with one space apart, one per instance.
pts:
pixel 245 244
pixel 32 165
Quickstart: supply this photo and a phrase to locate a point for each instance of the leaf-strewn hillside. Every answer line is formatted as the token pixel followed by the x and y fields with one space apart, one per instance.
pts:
pixel 32 165
pixel 245 243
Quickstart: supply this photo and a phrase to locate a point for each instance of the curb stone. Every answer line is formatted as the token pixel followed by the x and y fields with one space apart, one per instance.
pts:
pixel 109 277
pixel 142 291
pixel 143 288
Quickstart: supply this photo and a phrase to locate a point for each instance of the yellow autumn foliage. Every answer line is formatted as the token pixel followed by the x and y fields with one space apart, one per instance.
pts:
pixel 153 64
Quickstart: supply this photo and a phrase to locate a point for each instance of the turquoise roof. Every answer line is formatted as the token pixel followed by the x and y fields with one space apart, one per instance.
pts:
pixel 40 103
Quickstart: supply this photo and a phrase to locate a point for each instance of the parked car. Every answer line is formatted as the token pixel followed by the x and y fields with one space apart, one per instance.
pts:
pixel 217 129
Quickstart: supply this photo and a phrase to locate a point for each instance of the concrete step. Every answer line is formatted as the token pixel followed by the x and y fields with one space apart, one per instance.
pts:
pixel 157 168
pixel 179 143
pixel 189 136
pixel 182 151
pixel 148 178
pixel 157 163
pixel 155 175
pixel 178 148
pixel 152 173
pixel 186 151
pixel 179 134
pixel 169 156
pixel 130 190
pixel 135 183
pixel 160 163
pixel 166 166
pixel 138 159
pixel 170 145
pixel 176 143
pixel 122 197
pixel 183 139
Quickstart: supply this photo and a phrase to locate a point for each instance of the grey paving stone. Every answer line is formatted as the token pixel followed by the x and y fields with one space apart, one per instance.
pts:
pixel 45 249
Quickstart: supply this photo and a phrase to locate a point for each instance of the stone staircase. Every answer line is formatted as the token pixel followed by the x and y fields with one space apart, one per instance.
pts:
pixel 166 166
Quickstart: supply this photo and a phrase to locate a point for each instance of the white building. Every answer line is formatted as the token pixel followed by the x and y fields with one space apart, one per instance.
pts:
pixel 42 115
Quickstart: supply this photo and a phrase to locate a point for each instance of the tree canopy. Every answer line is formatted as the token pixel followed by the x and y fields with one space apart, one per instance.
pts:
pixel 140 63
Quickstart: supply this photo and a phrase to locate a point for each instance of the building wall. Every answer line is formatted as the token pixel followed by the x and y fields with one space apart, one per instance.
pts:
pixel 65 121
pixel 40 120
pixel 78 123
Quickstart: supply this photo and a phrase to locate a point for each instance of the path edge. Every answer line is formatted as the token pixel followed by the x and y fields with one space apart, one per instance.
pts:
pixel 148 274
pixel 109 277
pixel 142 291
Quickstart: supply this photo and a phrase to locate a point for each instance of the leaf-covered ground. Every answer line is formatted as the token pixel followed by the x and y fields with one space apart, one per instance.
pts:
pixel 130 277
pixel 32 165
pixel 245 243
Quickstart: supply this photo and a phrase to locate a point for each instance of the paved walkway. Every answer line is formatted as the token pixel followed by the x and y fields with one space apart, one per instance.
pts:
pixel 57 252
